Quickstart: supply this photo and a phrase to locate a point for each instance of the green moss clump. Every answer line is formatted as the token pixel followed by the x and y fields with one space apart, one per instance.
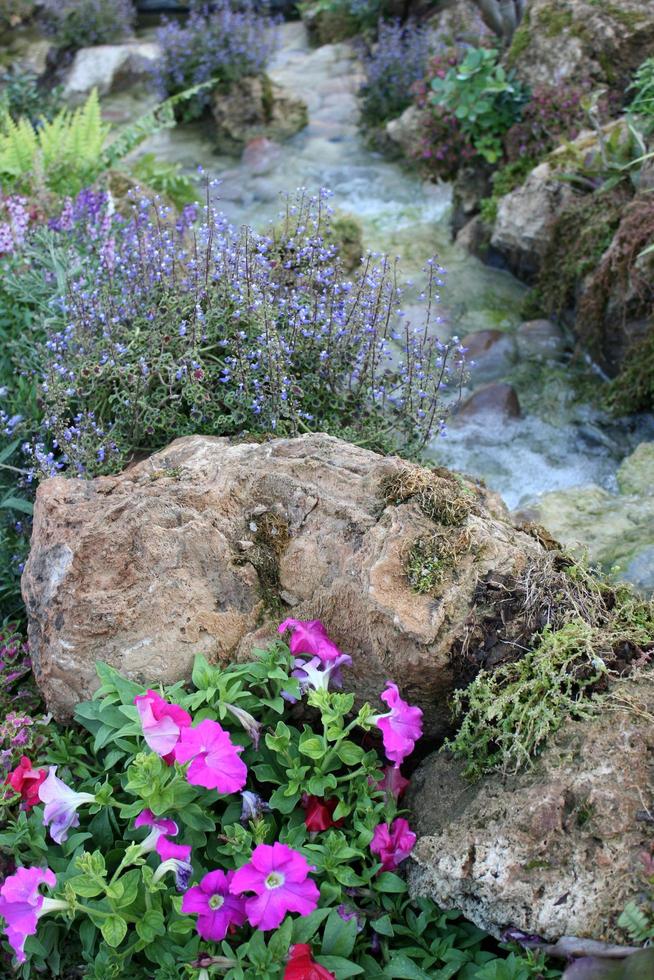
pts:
pixel 432 558
pixel 583 231
pixel 555 21
pixel 505 180
pixel 594 629
pixel 633 389
pixel 508 714
pixel 442 496
pixel 519 44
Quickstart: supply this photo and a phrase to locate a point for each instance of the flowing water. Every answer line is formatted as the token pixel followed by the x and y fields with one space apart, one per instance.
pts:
pixel 560 441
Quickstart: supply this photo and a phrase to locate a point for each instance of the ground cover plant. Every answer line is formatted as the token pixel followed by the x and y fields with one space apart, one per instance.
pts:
pixel 248 825
pixel 218 41
pixel 77 24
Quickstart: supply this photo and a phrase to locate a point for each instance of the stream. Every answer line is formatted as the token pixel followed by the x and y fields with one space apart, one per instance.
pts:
pixel 561 440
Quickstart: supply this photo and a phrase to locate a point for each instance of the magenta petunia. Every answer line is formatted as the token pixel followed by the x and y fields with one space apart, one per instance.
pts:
pixel 162 722
pixel 216 908
pixel 318 675
pixel 160 827
pixel 392 844
pixel 279 876
pixel 310 637
pixel 61 803
pixel 393 782
pixel 401 727
pixel 21 905
pixel 215 759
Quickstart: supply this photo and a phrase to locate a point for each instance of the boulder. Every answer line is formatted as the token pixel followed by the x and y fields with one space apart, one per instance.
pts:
pixel 493 399
pixel 578 40
pixel 405 131
pixel 474 237
pixel 490 353
pixel 111 67
pixel 254 107
pixel 471 186
pixel 207 545
pixel 540 339
pixel 554 850
pixel 636 472
pixel 525 217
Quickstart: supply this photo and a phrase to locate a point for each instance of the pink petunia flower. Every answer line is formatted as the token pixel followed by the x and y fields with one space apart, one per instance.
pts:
pixel 393 782
pixel 161 827
pixel 317 675
pixel 216 763
pixel 392 844
pixel 216 908
pixel 401 727
pixel 162 722
pixel 175 858
pixel 61 803
pixel 279 876
pixel 310 637
pixel 21 905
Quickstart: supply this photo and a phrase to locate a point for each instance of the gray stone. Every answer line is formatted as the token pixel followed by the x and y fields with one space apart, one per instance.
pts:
pixel 540 339
pixel 640 570
pixel 553 850
pixel 256 107
pixel 636 473
pixel 111 67
pixel 491 353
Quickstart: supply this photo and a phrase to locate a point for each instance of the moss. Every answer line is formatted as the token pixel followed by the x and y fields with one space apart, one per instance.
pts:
pixel 346 233
pixel 633 389
pixel 441 495
pixel 505 180
pixel 431 559
pixel 565 634
pixel 581 234
pixel 628 18
pixel 533 305
pixel 519 44
pixel 267 98
pixel 555 21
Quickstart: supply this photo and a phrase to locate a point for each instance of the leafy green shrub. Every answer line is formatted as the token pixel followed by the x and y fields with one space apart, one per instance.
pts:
pixel 166 179
pixel 483 97
pixel 315 803
pixel 22 95
pixel 642 87
pixel 77 24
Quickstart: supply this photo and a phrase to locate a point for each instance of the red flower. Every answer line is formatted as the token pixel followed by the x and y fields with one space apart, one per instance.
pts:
pixel 319 812
pixel 26 781
pixel 302 966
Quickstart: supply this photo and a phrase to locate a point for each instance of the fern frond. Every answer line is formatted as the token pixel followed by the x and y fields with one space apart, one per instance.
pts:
pixel 18 147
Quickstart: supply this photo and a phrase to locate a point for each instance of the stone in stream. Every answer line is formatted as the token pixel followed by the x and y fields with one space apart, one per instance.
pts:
pixel 207 545
pixel 491 351
pixel 111 68
pixel 554 850
pixel 636 472
pixel 540 339
pixel 261 155
pixel 493 399
pixel 254 107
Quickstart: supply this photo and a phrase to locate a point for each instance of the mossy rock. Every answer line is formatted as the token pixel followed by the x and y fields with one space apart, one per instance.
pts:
pixel 636 474
pixel 329 25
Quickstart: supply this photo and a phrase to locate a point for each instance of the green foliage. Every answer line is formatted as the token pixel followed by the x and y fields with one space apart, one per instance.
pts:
pixel 72 150
pixel 166 179
pixel 642 87
pixel 432 559
pixel 633 389
pixel 484 98
pixel 508 714
pixel 124 918
pixel 21 95
pixel 15 12
pixel 617 157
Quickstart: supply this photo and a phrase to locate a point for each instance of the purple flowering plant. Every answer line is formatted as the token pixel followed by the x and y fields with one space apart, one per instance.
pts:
pixel 392 66
pixel 222 41
pixel 174 327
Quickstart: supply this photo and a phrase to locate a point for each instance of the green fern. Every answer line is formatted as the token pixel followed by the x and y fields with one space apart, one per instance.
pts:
pixel 71 151
pixel 638 926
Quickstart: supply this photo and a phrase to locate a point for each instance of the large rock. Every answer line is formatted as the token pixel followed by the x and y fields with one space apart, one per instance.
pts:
pixel 555 850
pixel 405 131
pixel 577 40
pixel 188 552
pixel 525 218
pixel 254 107
pixel 616 531
pixel 111 67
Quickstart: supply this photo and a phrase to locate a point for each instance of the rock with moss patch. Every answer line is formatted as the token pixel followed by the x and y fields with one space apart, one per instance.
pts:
pixel 554 850
pixel 253 107
pixel 601 40
pixel 207 545
pixel 636 473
